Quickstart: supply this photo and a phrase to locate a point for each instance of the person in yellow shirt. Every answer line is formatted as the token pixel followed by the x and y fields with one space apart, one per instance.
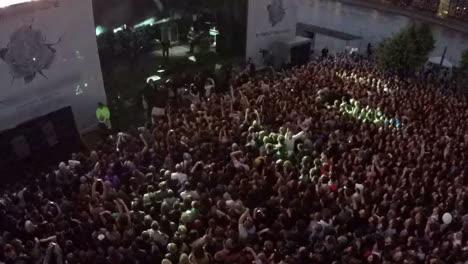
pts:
pixel 103 115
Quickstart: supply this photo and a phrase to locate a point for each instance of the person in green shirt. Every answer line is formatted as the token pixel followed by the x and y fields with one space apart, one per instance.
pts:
pixel 362 114
pixel 356 109
pixel 281 148
pixel 103 115
pixel 343 106
pixel 349 108
pixel 370 115
pixel 379 117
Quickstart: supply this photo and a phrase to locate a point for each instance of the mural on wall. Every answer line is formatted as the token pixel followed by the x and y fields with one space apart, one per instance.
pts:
pixel 28 54
pixel 276 12
pixel 271 26
pixel 51 46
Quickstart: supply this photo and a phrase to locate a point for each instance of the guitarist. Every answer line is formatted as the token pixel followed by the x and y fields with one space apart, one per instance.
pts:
pixel 192 35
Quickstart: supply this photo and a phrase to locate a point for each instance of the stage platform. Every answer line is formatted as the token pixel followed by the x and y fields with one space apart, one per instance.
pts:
pixel 178 51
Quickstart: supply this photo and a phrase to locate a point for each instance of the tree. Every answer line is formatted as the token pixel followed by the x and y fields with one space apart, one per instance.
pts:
pixel 425 39
pixel 391 54
pixel 464 63
pixel 407 50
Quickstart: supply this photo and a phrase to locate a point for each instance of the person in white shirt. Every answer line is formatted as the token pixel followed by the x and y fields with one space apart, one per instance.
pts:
pixel 188 191
pixel 157 113
pixel 178 175
pixel 186 164
pixel 246 226
pixel 265 86
pixel 232 202
pixel 238 160
pixel 170 199
pixel 290 139
pixel 209 86
pixel 148 197
pixel 157 236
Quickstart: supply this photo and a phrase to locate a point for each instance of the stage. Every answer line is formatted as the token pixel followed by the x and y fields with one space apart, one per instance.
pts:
pixel 181 51
pixel 177 51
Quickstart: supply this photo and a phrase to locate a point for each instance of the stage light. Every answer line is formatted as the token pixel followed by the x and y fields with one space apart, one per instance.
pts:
pixel 120 28
pixel 100 30
pixel 153 78
pixel 214 31
pixel 162 21
pixel 147 22
pixel 6 3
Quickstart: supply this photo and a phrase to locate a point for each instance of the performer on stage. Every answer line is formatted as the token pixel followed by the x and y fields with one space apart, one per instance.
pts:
pixel 191 39
pixel 166 45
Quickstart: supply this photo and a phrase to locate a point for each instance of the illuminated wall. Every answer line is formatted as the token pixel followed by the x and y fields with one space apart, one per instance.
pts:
pixel 49 60
pixel 269 23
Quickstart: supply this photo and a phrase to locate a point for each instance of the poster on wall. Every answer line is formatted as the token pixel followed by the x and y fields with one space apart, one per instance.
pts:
pixel 271 26
pixel 48 60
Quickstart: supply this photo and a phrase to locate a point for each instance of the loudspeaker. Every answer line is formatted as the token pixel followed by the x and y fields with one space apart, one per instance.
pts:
pixel 21 147
pixel 300 54
pixel 48 131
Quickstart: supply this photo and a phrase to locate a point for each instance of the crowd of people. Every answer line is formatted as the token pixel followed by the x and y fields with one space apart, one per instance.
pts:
pixel 332 162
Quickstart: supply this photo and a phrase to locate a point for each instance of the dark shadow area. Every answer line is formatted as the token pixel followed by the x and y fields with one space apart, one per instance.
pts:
pixel 37 144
